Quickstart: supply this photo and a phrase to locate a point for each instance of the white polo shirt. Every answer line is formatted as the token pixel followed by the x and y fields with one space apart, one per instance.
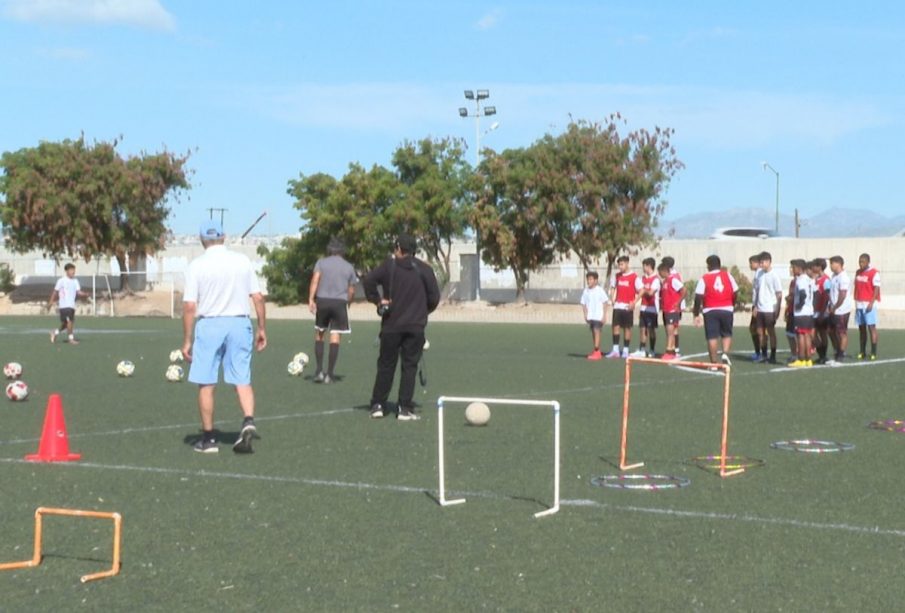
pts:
pixel 839 283
pixel 768 285
pixel 220 282
pixel 67 291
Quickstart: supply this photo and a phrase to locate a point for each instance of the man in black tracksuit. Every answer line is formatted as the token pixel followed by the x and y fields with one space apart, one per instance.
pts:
pixel 410 292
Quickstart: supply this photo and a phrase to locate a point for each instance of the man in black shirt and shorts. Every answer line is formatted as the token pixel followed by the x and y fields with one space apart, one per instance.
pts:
pixel 329 294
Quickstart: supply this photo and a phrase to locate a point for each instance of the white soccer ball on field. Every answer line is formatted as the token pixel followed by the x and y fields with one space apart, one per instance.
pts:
pixel 13 370
pixel 477 414
pixel 174 373
pixel 301 357
pixel 295 368
pixel 176 355
pixel 17 390
pixel 125 368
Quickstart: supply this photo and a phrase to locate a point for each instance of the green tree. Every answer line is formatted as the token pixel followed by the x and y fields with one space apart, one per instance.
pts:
pixel 437 199
pixel 604 190
pixel 516 231
pixel 69 198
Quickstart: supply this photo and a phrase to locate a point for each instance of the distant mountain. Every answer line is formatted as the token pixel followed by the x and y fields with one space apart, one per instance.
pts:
pixel 831 223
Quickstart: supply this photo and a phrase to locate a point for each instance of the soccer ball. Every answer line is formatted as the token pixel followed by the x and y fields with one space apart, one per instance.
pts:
pixel 17 390
pixel 477 414
pixel 174 373
pixel 13 370
pixel 301 358
pixel 176 355
pixel 295 368
pixel 125 368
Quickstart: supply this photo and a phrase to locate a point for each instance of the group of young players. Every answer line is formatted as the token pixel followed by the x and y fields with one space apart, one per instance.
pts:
pixel 816 308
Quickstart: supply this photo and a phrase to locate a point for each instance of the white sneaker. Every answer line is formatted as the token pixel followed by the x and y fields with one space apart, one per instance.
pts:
pixel 639 354
pixel 624 352
pixel 612 354
pixel 726 360
pixel 53 335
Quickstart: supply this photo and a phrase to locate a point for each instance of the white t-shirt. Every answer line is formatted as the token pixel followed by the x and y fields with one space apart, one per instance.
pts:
pixel 594 300
pixel 839 283
pixel 806 284
pixel 220 282
pixel 767 286
pixel 67 291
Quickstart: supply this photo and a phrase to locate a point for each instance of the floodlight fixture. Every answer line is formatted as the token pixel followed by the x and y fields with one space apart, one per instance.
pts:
pixel 490 110
pixel 483 94
pixel 469 95
pixel 463 112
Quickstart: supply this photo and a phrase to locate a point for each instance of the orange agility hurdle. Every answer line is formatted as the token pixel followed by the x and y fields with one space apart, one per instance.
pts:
pixel 36 559
pixel 727 370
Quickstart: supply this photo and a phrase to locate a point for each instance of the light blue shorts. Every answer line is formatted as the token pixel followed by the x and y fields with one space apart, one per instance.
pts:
pixel 865 318
pixel 222 340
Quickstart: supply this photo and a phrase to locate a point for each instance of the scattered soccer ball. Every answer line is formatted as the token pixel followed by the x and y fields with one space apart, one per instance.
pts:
pixel 301 358
pixel 17 390
pixel 477 414
pixel 176 355
pixel 295 368
pixel 13 370
pixel 175 373
pixel 427 345
pixel 125 368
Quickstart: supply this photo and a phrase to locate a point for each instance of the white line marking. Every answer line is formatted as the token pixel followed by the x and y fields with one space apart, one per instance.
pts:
pixel 842 365
pixel 407 489
pixel 181 426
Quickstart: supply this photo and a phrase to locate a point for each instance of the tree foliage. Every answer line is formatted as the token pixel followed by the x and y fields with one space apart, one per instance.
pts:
pixel 71 198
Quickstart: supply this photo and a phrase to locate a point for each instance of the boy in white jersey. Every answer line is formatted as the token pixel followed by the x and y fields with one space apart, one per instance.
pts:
pixel 593 305
pixel 802 312
pixel 767 302
pixel 840 307
pixel 66 290
pixel 754 264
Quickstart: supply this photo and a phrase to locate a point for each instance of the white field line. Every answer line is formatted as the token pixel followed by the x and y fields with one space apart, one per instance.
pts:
pixel 407 489
pixel 842 365
pixel 181 426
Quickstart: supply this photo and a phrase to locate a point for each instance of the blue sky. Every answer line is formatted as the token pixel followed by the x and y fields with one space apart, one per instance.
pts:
pixel 262 91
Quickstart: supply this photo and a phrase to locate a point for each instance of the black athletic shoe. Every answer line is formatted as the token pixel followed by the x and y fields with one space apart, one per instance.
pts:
pixel 377 411
pixel 248 432
pixel 206 446
pixel 407 414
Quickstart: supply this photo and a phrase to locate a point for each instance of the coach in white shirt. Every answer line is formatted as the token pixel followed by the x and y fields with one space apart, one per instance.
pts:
pixel 217 288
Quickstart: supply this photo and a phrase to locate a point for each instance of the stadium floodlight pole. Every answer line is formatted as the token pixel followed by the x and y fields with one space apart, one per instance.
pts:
pixel 776 172
pixel 477 96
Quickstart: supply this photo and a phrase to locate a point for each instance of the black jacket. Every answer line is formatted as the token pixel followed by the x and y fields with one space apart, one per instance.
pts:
pixel 414 293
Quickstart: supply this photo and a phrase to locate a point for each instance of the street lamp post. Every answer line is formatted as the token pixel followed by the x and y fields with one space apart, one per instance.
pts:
pixel 775 172
pixel 477 96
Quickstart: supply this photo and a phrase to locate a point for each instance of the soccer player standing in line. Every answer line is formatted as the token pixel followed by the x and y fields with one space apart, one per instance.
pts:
pixel 650 301
pixel 867 294
pixel 593 305
pixel 840 306
pixel 66 290
pixel 675 278
pixel 715 296
pixel 218 285
pixel 331 290
pixel 672 293
pixel 755 266
pixel 624 289
pixel 768 299
pixel 802 313
pixel 821 307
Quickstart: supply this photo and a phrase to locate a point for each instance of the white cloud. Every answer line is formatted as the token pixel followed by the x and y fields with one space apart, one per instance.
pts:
pixel 142 13
pixel 489 20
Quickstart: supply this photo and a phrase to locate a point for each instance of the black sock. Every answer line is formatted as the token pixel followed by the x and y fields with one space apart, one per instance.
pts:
pixel 677 342
pixel 319 355
pixel 249 419
pixel 756 341
pixel 615 340
pixel 334 353
pixel 873 348
pixel 653 342
pixel 208 435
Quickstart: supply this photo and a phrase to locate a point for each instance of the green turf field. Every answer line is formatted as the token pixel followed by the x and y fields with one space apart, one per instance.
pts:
pixel 337 512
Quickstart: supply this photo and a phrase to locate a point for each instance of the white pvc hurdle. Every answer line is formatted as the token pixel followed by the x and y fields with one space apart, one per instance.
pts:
pixel 499 401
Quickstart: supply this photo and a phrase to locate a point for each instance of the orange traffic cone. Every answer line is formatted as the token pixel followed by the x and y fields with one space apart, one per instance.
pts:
pixel 54 446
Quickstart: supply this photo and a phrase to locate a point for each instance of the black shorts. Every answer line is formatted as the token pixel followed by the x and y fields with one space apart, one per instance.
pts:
pixel 803 323
pixel 67 315
pixel 766 320
pixel 623 318
pixel 717 324
pixel 332 315
pixel 595 324
pixel 672 319
pixel 822 322
pixel 648 319
pixel 839 322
